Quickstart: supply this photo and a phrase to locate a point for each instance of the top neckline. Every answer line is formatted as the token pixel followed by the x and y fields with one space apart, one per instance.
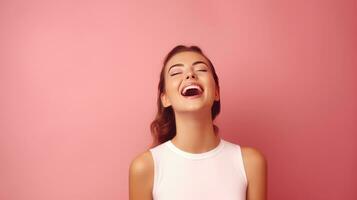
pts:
pixel 189 155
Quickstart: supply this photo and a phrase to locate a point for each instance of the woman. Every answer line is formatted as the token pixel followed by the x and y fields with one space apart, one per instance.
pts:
pixel 188 160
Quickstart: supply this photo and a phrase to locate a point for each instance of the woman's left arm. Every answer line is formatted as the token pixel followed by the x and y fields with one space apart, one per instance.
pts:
pixel 256 170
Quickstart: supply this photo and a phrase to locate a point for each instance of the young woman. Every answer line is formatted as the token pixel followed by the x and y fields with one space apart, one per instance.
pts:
pixel 188 159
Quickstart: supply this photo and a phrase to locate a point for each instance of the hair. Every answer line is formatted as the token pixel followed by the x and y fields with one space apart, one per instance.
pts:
pixel 163 127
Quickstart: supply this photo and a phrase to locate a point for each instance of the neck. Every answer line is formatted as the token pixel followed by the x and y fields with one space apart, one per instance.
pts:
pixel 194 132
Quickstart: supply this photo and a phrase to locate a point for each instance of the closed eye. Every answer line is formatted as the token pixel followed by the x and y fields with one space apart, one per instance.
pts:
pixel 175 73
pixel 202 70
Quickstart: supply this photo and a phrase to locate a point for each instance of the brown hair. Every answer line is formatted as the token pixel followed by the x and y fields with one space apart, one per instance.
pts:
pixel 163 127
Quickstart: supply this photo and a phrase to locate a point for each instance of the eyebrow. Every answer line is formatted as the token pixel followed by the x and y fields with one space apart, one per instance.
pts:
pixel 181 65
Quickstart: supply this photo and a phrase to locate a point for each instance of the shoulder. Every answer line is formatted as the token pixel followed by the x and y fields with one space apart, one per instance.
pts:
pixel 142 164
pixel 255 163
pixel 253 156
pixel 141 173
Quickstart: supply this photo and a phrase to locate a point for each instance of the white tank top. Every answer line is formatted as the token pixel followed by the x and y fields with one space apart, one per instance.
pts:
pixel 212 175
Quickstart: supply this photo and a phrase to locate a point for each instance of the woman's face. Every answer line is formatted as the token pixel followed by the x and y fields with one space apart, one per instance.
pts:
pixel 183 69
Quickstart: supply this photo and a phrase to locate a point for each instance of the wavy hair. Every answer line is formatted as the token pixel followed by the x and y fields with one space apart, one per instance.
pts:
pixel 163 127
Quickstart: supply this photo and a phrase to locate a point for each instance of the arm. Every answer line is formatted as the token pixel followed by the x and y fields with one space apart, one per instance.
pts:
pixel 256 170
pixel 141 175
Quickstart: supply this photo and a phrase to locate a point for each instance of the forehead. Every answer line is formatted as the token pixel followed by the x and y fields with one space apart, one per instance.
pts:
pixel 186 58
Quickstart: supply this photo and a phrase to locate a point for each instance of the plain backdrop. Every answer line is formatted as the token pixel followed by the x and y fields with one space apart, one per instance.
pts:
pixel 79 79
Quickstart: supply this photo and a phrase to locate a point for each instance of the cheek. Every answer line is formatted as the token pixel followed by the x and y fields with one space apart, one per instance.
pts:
pixel 212 87
pixel 210 81
pixel 172 86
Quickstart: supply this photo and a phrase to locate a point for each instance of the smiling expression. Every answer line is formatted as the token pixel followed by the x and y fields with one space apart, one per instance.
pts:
pixel 183 69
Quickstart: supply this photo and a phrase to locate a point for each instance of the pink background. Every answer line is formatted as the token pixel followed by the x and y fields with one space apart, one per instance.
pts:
pixel 78 87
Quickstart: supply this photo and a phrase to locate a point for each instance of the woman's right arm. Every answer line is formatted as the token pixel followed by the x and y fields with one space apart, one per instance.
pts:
pixel 141 173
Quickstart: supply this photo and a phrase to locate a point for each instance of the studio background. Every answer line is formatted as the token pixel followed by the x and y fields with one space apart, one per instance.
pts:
pixel 79 79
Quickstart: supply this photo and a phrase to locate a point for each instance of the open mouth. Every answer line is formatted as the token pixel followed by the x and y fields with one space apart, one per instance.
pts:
pixel 192 91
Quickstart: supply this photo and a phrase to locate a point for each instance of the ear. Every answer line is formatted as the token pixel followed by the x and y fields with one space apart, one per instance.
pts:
pixel 216 97
pixel 164 100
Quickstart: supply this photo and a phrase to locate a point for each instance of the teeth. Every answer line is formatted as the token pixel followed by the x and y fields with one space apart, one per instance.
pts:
pixel 191 87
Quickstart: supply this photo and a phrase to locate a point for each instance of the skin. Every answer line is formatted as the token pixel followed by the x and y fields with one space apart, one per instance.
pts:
pixel 194 128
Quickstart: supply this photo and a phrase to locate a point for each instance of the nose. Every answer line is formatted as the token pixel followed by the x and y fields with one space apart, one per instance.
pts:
pixel 190 74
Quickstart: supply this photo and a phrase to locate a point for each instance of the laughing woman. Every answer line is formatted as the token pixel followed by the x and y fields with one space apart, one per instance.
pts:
pixel 188 159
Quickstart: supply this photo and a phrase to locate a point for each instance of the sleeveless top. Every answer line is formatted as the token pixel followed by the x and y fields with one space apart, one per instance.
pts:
pixel 212 175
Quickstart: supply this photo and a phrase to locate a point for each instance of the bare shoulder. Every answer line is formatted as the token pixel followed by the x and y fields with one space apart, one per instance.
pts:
pixel 141 173
pixel 142 163
pixel 253 156
pixel 255 164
